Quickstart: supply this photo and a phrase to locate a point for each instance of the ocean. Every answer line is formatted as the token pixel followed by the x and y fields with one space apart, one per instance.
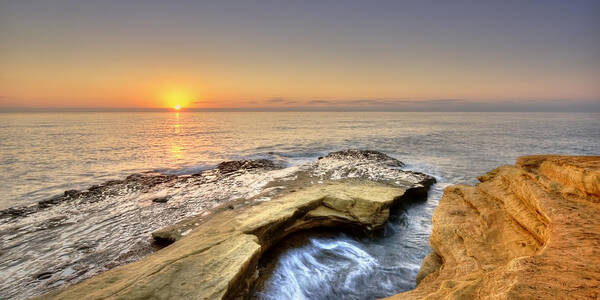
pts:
pixel 44 154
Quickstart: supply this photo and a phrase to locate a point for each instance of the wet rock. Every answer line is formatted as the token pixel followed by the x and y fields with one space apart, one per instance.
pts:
pixel 219 259
pixel 52 201
pixel 163 199
pixel 528 231
pixel 236 165
pixel 118 204
pixel 355 154
pixel 17 211
pixel 43 276
pixel 94 188
pixel 71 193
pixel 149 179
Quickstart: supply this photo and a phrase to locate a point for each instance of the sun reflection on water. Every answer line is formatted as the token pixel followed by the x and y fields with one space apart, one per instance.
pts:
pixel 177 147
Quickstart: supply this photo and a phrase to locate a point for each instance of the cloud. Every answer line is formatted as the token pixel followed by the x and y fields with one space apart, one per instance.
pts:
pixel 321 102
pixel 278 100
pixel 447 105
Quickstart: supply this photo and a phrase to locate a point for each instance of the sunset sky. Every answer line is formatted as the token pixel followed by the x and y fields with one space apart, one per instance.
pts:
pixel 405 55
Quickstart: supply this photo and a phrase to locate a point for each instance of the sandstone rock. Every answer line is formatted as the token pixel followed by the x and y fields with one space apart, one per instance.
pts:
pixel 219 258
pixel 529 231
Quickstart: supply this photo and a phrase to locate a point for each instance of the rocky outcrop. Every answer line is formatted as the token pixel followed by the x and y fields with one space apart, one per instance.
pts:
pixel 79 234
pixel 219 258
pixel 529 231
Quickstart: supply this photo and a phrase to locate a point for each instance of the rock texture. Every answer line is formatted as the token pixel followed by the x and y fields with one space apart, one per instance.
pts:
pixel 79 234
pixel 219 258
pixel 529 231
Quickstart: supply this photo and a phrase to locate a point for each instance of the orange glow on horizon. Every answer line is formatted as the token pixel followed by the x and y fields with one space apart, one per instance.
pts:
pixel 176 98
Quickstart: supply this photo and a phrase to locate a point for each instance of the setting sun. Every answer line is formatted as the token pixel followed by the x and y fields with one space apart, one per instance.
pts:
pixel 176 98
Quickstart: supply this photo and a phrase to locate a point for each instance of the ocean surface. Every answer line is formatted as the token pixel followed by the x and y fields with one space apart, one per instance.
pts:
pixel 44 154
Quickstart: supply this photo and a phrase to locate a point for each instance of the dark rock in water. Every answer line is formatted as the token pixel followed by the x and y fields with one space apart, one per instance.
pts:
pixel 113 182
pixel 427 180
pixel 71 193
pixel 235 165
pixel 51 201
pixel 161 199
pixel 17 211
pixel 164 238
pixel 43 276
pixel 149 179
pixel 94 187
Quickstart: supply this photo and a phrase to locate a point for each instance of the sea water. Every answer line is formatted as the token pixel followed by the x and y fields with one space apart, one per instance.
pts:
pixel 44 154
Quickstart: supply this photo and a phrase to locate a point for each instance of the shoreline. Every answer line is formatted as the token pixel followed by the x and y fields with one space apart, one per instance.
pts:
pixel 111 224
pixel 541 183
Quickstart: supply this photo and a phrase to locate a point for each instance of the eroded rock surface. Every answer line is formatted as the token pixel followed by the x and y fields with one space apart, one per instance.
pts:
pixel 529 231
pixel 219 258
pixel 78 234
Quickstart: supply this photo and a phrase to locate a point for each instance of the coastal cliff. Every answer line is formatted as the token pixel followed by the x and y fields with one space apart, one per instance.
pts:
pixel 528 231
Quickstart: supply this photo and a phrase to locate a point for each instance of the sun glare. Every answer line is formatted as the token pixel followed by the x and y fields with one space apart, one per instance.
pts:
pixel 176 98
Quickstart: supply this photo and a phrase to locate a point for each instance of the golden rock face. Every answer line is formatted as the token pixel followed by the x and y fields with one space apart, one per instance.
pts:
pixel 529 231
pixel 218 259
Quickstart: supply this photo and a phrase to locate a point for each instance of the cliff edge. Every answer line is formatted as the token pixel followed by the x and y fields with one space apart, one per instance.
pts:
pixel 528 231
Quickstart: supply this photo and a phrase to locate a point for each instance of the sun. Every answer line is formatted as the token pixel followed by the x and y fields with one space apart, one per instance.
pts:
pixel 176 98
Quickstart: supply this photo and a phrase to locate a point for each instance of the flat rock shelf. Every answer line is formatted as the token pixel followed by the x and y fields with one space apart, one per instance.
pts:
pixel 79 234
pixel 219 259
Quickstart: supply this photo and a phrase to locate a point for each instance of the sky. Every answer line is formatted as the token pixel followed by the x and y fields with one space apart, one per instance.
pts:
pixel 301 55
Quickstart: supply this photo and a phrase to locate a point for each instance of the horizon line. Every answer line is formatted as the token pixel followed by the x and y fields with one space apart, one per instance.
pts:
pixel 275 109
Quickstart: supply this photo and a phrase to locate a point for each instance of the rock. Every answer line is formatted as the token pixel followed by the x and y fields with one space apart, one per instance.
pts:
pixel 52 201
pixel 17 211
pixel 369 155
pixel 529 231
pixel 163 199
pixel 236 165
pixel 71 193
pixel 43 276
pixel 219 258
pixel 430 264
pixel 128 213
